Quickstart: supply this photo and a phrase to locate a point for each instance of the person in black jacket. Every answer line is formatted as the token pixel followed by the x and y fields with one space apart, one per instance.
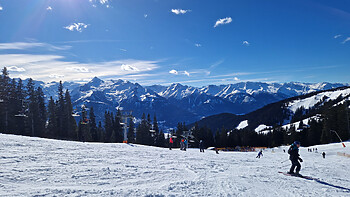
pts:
pixel 295 158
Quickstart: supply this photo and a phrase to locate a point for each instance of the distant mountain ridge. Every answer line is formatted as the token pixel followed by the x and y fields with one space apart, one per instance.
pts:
pixel 177 102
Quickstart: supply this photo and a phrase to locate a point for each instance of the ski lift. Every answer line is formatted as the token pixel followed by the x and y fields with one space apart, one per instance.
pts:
pixel 21 115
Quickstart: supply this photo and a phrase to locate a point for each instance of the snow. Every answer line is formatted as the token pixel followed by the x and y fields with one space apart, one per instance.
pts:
pixel 262 127
pixel 313 100
pixel 43 167
pixel 242 125
pixel 305 122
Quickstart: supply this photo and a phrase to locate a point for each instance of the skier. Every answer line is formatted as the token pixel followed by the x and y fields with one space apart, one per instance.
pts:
pixel 324 155
pixel 259 154
pixel 171 142
pixel 201 146
pixel 294 157
pixel 185 144
pixel 182 144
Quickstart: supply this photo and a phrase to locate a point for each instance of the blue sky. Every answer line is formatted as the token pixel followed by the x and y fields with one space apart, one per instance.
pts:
pixel 194 42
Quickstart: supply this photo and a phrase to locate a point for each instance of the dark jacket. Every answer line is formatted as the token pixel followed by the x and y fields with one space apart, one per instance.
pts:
pixel 293 151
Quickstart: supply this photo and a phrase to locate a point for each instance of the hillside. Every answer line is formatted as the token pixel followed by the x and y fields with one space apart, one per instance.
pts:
pixel 42 167
pixel 283 112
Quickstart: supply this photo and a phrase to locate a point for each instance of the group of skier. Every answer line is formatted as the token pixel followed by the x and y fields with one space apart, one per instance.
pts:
pixel 184 145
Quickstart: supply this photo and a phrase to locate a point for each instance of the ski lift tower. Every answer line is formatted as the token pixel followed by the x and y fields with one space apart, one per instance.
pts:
pixel 124 117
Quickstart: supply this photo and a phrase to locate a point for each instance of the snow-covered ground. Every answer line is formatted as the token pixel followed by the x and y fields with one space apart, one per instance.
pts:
pixel 42 167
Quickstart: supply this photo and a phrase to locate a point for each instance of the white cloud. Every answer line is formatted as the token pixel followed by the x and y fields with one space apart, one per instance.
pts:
pixel 245 43
pixel 1 8
pixel 124 50
pixel 56 76
pixel 236 78
pixel 16 69
pixel 49 8
pixel 179 11
pixel 145 15
pixel 174 72
pixel 223 21
pixel 128 67
pixel 197 45
pixel 76 27
pixel 186 73
pixel 102 2
pixel 346 40
pixel 337 36
pixel 78 69
pixel 27 45
pixel 46 67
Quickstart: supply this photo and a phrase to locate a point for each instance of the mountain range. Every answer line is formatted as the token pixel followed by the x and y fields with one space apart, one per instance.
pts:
pixel 180 103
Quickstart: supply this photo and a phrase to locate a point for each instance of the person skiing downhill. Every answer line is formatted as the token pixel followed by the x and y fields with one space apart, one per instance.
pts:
pixel 294 157
pixel 259 154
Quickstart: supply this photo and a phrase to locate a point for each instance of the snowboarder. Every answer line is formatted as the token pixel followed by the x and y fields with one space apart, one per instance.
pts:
pixel 294 157
pixel 201 146
pixel 171 142
pixel 259 154
pixel 324 155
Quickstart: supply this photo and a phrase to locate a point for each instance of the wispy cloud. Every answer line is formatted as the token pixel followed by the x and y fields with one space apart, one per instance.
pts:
pixel 1 8
pixel 124 50
pixel 48 67
pixel 346 40
pixel 245 43
pixel 197 45
pixel 16 69
pixel 49 8
pixel 102 2
pixel 223 21
pixel 145 15
pixel 175 72
pixel 186 73
pixel 179 11
pixel 76 27
pixel 128 67
pixel 28 45
pixel 337 36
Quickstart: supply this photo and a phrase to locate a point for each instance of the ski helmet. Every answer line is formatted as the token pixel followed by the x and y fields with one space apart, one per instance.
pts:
pixel 297 143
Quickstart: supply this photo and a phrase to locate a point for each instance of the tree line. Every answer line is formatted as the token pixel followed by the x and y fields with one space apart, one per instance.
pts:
pixel 25 110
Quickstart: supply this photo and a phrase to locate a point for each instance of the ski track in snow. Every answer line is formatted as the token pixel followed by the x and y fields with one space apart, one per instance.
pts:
pixel 44 167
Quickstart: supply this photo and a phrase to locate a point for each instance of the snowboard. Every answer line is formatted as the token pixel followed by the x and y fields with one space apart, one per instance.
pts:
pixel 300 176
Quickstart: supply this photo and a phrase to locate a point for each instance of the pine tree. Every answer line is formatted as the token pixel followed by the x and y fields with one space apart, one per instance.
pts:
pixel 20 108
pixel 4 98
pixel 41 113
pixel 69 120
pixel 52 125
pixel 60 113
pixel 93 127
pixel 32 108
pixel 131 132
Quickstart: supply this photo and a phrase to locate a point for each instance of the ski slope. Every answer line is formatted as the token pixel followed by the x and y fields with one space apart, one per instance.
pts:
pixel 43 167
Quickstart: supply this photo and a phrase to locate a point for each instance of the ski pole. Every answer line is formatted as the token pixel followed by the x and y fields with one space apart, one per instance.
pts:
pixel 285 161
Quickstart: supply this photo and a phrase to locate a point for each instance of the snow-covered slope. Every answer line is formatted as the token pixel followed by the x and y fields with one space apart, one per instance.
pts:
pixel 43 167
